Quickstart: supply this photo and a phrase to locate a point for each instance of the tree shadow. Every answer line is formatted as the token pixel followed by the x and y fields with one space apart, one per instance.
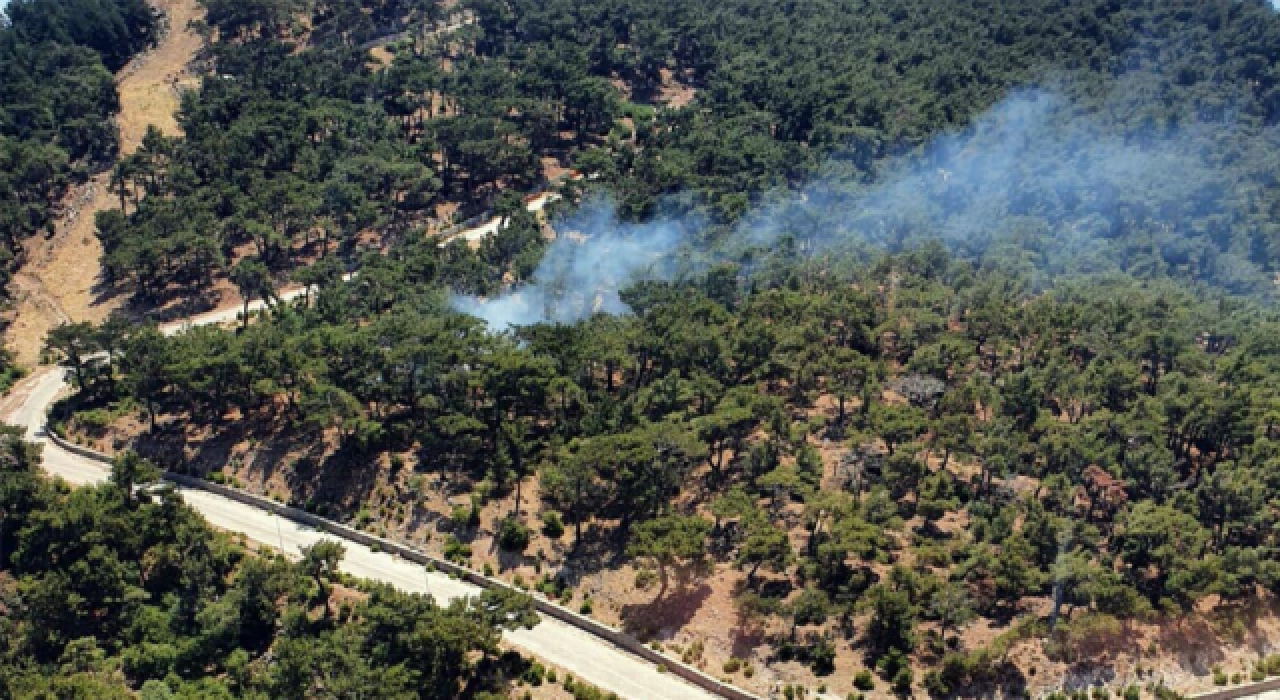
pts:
pixel 666 614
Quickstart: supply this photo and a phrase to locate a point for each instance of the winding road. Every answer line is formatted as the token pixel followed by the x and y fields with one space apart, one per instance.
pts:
pixel 588 657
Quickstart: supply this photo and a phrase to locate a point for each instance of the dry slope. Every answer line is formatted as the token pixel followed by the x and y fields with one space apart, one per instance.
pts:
pixel 59 282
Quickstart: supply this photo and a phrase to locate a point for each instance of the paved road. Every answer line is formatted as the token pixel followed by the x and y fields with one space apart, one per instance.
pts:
pixel 586 656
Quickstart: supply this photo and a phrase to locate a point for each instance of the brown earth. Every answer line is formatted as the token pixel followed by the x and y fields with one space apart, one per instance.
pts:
pixel 60 280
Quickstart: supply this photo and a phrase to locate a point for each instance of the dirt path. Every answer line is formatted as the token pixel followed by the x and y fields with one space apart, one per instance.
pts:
pixel 59 283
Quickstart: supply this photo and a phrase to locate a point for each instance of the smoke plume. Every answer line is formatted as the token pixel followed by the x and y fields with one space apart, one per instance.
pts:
pixel 1040 182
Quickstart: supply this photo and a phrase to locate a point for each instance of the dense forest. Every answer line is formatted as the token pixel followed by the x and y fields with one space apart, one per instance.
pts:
pixel 119 592
pixel 972 321
pixel 325 146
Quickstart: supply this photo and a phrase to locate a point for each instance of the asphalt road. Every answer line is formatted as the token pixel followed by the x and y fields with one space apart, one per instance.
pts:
pixel 586 656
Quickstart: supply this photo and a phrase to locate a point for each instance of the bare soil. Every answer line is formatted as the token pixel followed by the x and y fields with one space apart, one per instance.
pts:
pixel 60 280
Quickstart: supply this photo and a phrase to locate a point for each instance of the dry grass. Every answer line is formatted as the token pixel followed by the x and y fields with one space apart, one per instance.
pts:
pixel 59 282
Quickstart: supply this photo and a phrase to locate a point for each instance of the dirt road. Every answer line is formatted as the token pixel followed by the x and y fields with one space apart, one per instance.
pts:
pixel 59 281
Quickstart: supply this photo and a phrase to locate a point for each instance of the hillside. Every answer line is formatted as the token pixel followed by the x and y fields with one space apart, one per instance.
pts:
pixel 112 592
pixel 60 279
pixel 880 347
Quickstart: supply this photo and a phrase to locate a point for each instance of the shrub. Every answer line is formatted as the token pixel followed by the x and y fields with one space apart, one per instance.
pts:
pixel 645 578
pixel 585 608
pixel 457 552
pixel 935 685
pixel 822 657
pixel 693 653
pixel 732 665
pixel 902 681
pixel 552 525
pixel 461 516
pixel 1132 693
pixel 864 680
pixel 513 536
pixel 1219 678
pixel 534 674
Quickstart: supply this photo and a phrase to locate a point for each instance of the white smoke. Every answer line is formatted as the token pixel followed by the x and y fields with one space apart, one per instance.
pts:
pixel 1036 176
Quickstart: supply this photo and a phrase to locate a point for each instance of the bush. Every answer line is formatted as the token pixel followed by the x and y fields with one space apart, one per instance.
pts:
pixel 935 685
pixel 461 516
pixel 864 680
pixel 902 681
pixel 585 608
pixel 552 525
pixel 534 674
pixel 822 657
pixel 645 578
pixel 457 552
pixel 513 536
pixel 1219 678
pixel 1132 692
pixel 732 665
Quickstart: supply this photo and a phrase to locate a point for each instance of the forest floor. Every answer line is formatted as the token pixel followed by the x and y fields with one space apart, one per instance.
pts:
pixel 60 281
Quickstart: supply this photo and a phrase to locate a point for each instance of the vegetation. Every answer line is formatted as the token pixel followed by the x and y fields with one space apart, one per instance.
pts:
pixel 56 102
pixel 112 592
pixel 891 428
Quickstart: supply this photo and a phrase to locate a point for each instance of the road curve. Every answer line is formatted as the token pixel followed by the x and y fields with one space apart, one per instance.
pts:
pixel 588 657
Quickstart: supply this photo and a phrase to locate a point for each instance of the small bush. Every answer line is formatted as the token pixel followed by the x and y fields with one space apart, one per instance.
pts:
pixel 693 653
pixel 461 516
pixel 513 536
pixel 552 525
pixel 457 552
pixel 488 569
pixel 822 657
pixel 645 578
pixel 1133 692
pixel 362 519
pixel 1219 678
pixel 864 680
pixel 902 681
pixel 534 674
pixel 585 608
pixel 733 665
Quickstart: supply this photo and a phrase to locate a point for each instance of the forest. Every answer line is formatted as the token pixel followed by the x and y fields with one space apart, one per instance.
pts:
pixel 969 324
pixel 113 591
pixel 56 101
